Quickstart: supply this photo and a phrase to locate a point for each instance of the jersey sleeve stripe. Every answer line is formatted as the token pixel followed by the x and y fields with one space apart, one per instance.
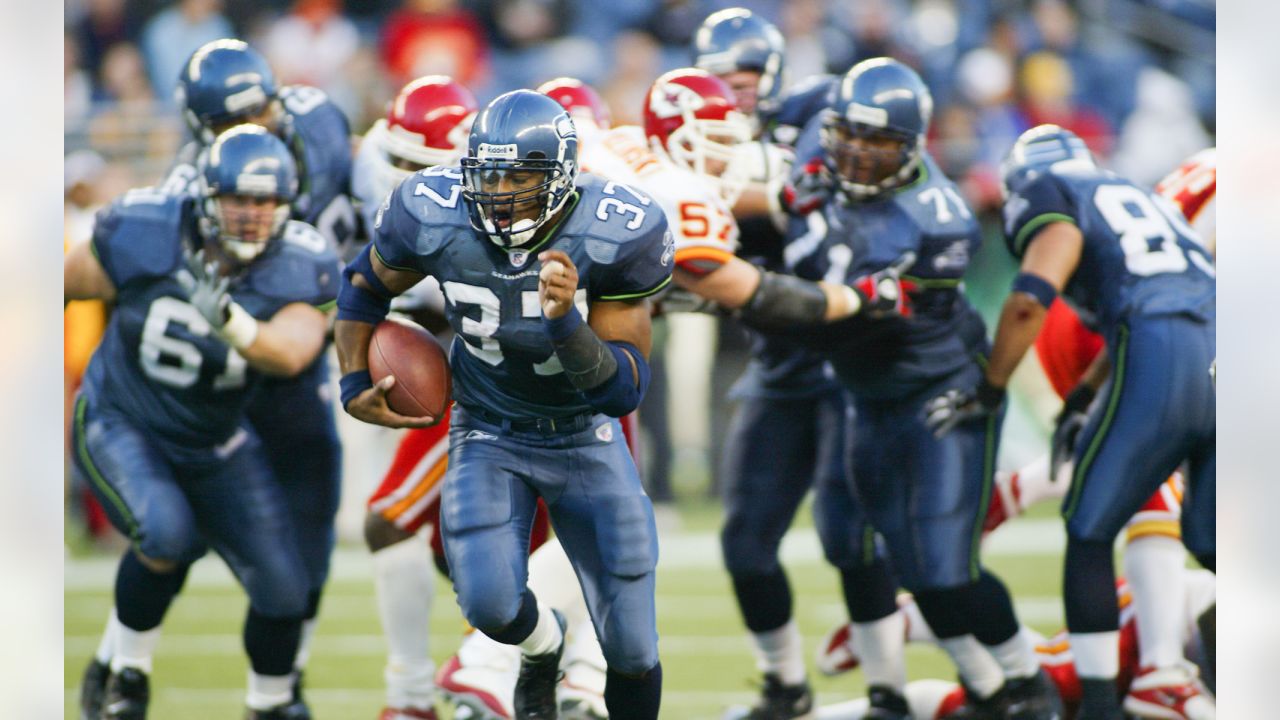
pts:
pixel 1034 224
pixel 1157 528
pixel 641 294
pixel 703 253
pixel 393 267
pixel 327 306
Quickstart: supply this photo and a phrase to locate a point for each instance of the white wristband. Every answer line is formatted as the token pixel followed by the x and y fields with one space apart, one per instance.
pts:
pixel 240 329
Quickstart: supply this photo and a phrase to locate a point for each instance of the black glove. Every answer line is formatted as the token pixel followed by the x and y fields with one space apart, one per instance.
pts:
pixel 956 406
pixel 812 188
pixel 1067 427
pixel 884 292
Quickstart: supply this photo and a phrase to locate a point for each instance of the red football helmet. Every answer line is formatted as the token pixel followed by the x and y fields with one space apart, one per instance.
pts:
pixel 581 101
pixel 429 121
pixel 692 116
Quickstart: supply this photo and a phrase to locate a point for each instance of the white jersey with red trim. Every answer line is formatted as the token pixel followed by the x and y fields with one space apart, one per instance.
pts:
pixel 706 235
pixel 1193 188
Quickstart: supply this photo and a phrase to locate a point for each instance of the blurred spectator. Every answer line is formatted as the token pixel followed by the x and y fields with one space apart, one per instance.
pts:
pixel 808 54
pixel 931 30
pixel 984 82
pixel 127 122
pixel 673 22
pixel 870 25
pixel 532 43
pixel 105 23
pixel 77 87
pixel 1047 86
pixel 312 45
pixel 172 35
pixel 638 64
pixel 434 37
pixel 1161 132
pixel 521 24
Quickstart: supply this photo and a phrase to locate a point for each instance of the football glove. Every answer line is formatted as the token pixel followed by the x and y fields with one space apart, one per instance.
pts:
pixel 810 191
pixel 208 292
pixel 883 292
pixel 957 406
pixel 1067 427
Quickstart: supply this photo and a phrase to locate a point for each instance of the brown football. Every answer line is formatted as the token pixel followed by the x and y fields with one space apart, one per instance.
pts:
pixel 404 349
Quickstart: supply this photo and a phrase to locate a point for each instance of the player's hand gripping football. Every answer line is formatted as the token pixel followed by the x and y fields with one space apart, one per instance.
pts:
pixel 883 292
pixel 206 287
pixel 557 282
pixel 371 406
pixel 957 406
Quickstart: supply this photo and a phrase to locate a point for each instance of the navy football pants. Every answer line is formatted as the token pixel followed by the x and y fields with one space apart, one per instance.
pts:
pixel 598 508
pixel 170 506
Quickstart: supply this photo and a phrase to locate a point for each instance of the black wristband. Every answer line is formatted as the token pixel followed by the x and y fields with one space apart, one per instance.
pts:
pixel 989 395
pixel 1079 399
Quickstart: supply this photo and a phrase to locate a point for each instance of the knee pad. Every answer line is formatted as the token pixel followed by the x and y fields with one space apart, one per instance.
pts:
pixel 170 543
pixel 490 609
pixel 746 552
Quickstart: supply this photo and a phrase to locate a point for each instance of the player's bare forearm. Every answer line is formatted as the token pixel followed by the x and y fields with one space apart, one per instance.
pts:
pixel 731 285
pixel 1020 322
pixel 625 321
pixel 83 277
pixel 351 339
pixel 289 342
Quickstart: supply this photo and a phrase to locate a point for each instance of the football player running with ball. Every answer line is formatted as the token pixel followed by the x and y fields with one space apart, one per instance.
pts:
pixel 546 275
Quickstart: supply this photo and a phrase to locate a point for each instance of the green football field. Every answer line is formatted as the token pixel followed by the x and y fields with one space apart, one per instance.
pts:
pixel 200 667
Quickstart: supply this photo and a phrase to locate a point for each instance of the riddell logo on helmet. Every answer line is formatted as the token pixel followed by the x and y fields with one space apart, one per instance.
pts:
pixel 496 152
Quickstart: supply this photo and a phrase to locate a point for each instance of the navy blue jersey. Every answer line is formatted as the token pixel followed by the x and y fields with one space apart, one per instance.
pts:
pixel 1140 257
pixel 799 105
pixel 501 358
pixel 895 357
pixel 318 134
pixel 160 364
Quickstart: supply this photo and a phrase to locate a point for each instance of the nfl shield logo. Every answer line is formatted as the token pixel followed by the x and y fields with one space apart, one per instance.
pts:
pixel 605 432
pixel 518 257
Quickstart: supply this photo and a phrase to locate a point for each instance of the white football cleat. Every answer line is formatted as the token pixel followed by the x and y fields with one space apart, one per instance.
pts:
pixel 1170 693
pixel 481 679
pixel 581 692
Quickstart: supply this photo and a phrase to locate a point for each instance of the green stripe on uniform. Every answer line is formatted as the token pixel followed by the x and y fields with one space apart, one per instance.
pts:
pixel 1035 224
pixel 644 293
pixel 868 545
pixel 988 479
pixel 1077 479
pixel 82 449
pixel 326 307
pixel 393 267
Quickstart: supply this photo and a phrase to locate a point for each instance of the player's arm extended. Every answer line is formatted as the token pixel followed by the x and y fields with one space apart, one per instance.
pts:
pixel 767 299
pixel 606 358
pixel 1051 258
pixel 83 277
pixel 364 299
pixel 289 342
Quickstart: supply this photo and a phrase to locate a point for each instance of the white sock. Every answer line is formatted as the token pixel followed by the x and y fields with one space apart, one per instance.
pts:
pixel 546 635
pixel 304 644
pixel 918 629
pixel 405 583
pixel 107 646
pixel 1153 565
pixel 781 652
pixel 1016 656
pixel 133 648
pixel 980 671
pixel 552 580
pixel 880 645
pixel 268 691
pixel 1097 655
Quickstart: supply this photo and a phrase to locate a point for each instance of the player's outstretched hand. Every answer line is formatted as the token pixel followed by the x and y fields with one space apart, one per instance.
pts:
pixel 812 188
pixel 371 406
pixel 884 292
pixel 206 287
pixel 957 406
pixel 557 282
pixel 1067 427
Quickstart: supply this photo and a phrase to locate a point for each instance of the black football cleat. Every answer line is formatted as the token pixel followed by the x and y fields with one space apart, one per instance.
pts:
pixel 1032 698
pixel 782 702
pixel 535 696
pixel 886 704
pixel 93 687
pixel 285 711
pixel 127 695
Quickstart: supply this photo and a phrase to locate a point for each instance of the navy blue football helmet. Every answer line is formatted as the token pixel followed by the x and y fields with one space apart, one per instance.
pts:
pixel 737 39
pixel 224 82
pixel 878 102
pixel 524 141
pixel 1036 150
pixel 246 161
